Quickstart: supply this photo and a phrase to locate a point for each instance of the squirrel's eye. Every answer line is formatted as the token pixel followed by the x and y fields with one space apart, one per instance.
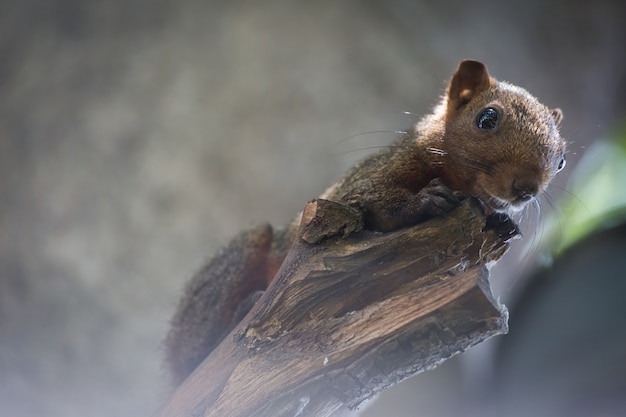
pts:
pixel 487 119
pixel 561 164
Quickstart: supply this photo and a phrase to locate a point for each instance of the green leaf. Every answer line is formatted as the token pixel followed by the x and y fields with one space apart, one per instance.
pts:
pixel 596 195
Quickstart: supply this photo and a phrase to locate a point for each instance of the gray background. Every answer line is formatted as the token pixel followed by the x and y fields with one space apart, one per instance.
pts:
pixel 137 136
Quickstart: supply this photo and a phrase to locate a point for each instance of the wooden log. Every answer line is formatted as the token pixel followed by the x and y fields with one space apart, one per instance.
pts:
pixel 350 313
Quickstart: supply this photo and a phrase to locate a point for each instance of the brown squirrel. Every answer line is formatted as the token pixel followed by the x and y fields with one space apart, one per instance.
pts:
pixel 486 139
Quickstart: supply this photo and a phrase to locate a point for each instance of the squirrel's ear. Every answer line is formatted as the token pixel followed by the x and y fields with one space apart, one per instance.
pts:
pixel 470 78
pixel 557 115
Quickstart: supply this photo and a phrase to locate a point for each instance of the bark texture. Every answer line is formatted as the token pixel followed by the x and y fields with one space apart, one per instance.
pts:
pixel 350 313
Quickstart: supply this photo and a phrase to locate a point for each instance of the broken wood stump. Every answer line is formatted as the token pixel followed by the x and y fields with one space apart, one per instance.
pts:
pixel 350 313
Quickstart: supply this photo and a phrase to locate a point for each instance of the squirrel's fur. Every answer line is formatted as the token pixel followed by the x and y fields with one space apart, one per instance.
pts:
pixel 486 139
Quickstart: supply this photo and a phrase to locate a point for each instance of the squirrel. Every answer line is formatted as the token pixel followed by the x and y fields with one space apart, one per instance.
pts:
pixel 485 138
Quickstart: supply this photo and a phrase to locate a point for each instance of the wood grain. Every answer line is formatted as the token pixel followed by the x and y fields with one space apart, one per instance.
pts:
pixel 350 313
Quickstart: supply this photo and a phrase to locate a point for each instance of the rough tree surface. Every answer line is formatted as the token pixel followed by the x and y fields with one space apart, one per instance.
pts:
pixel 350 313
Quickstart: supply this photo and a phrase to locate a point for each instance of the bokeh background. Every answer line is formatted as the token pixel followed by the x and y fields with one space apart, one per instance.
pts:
pixel 137 136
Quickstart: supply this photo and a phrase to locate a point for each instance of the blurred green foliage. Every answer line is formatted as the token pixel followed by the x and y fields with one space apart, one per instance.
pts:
pixel 596 196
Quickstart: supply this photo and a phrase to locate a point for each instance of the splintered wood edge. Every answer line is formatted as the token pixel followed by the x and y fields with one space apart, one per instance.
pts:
pixel 264 369
pixel 308 214
pixel 322 219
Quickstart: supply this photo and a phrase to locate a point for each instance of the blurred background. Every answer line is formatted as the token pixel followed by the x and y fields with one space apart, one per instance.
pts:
pixel 138 136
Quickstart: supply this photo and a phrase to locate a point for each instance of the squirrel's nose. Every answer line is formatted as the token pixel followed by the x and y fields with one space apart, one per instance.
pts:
pixel 525 188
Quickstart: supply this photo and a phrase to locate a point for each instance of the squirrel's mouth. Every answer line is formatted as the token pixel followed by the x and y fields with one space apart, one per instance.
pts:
pixel 493 203
pixel 499 205
pixel 520 202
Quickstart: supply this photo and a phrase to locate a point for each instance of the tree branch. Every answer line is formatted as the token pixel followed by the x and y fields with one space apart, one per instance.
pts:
pixel 351 313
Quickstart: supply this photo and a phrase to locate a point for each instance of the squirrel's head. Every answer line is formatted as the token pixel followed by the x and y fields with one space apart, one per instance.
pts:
pixel 505 143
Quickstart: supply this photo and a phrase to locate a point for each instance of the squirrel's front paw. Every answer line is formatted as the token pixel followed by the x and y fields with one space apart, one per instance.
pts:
pixel 437 199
